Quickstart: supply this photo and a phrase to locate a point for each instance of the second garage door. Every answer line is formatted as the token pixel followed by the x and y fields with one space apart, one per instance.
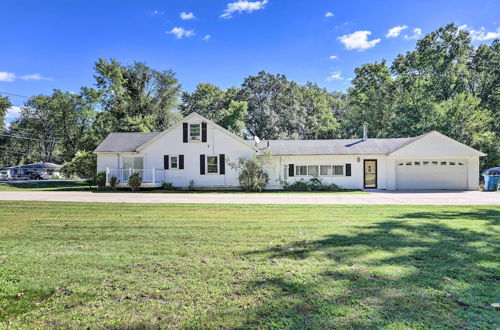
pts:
pixel 431 174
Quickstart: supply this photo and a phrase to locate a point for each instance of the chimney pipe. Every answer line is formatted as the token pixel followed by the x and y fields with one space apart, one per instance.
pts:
pixel 365 131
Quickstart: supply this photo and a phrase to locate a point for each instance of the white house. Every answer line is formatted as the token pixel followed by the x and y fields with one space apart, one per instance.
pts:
pixel 195 151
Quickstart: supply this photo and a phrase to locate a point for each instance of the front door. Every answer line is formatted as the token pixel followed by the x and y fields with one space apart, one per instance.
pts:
pixel 370 173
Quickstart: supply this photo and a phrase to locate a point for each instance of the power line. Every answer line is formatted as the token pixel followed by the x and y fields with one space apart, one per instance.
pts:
pixel 17 95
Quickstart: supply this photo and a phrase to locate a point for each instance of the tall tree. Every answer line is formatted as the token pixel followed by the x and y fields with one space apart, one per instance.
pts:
pixel 136 97
pixel 4 105
pixel 207 100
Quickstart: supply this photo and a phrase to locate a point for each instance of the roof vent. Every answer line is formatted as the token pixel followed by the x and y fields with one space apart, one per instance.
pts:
pixel 365 131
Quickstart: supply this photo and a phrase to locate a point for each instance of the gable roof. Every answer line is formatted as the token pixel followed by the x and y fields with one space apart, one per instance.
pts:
pixel 346 146
pixel 335 146
pixel 124 142
pixel 135 142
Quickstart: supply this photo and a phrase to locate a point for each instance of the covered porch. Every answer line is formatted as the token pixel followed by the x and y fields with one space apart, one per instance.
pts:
pixel 150 177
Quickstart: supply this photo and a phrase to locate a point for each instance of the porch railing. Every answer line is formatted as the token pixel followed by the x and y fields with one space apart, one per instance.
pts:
pixel 148 175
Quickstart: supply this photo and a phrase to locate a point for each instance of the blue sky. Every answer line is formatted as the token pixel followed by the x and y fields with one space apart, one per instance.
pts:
pixel 54 44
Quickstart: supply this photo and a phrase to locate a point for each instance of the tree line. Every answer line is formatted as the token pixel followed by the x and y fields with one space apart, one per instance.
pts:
pixel 444 84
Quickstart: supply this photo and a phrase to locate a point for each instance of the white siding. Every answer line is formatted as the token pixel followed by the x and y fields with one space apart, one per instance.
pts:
pixel 218 142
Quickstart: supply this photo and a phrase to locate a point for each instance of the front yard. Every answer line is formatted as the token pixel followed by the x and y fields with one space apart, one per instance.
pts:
pixel 212 266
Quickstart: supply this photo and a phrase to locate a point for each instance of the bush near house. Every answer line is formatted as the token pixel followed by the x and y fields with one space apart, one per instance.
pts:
pixel 84 165
pixel 252 176
pixel 101 180
pixel 313 184
pixel 113 181
pixel 134 181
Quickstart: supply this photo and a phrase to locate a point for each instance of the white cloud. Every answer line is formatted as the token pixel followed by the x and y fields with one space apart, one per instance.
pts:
pixel 181 32
pixel 358 40
pixel 395 31
pixel 207 37
pixel 12 113
pixel 334 57
pixel 7 76
pixel 243 6
pixel 35 76
pixel 187 16
pixel 481 34
pixel 157 13
pixel 335 76
pixel 328 14
pixel 417 32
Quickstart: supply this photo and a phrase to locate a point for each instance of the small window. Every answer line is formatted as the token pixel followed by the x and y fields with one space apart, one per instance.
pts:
pixel 174 162
pixel 325 170
pixel 408 164
pixel 301 170
pixel 212 164
pixel 417 163
pixel 444 163
pixel 312 170
pixel 425 163
pixel 194 132
pixel 338 170
pixel 434 163
pixel 452 163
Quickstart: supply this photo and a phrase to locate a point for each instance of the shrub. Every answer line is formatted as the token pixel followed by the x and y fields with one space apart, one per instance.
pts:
pixel 167 186
pixel 84 165
pixel 113 181
pixel 100 180
pixel 252 176
pixel 313 184
pixel 134 181
pixel 191 185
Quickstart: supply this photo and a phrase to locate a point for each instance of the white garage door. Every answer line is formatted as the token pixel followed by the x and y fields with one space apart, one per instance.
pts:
pixel 431 174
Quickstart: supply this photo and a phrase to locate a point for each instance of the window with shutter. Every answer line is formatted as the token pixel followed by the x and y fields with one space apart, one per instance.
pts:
pixel 222 164
pixel 165 162
pixel 202 164
pixel 347 169
pixel 181 162
pixel 291 170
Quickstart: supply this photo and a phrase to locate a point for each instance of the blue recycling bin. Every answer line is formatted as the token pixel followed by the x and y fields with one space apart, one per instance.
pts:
pixel 491 178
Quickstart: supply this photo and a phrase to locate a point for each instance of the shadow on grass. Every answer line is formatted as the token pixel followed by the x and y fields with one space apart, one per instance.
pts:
pixel 393 273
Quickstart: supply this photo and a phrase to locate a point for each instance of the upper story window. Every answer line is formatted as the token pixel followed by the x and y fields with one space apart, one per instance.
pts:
pixel 194 132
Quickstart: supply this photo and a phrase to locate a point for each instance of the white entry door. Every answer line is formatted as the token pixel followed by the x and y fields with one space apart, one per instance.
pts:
pixel 431 174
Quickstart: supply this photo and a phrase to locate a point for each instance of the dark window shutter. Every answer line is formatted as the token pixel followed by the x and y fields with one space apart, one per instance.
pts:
pixel 291 171
pixel 222 164
pixel 347 169
pixel 202 164
pixel 203 132
pixel 181 162
pixel 185 132
pixel 165 162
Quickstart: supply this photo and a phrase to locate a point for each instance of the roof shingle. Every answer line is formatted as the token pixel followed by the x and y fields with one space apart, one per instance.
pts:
pixel 124 142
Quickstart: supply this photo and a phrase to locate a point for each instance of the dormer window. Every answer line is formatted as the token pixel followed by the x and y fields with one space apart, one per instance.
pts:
pixel 194 132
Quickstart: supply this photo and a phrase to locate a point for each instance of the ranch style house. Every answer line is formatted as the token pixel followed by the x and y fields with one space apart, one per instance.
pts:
pixel 196 152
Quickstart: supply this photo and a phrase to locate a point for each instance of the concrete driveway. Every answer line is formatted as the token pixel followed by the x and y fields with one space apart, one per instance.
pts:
pixel 376 197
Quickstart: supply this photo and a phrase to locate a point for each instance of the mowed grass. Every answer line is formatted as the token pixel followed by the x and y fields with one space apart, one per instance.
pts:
pixel 77 265
pixel 44 186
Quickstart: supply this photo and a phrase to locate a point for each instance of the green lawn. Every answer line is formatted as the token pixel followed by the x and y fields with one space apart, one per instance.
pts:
pixel 82 186
pixel 45 186
pixel 77 265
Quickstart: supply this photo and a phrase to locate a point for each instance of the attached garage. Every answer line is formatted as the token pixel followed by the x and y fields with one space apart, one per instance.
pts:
pixel 431 174
pixel 434 161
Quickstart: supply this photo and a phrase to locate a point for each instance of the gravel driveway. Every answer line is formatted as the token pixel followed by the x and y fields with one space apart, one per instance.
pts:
pixel 377 197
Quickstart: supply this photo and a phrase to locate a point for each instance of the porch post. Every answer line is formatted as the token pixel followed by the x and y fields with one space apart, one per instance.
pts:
pixel 107 175
pixel 154 175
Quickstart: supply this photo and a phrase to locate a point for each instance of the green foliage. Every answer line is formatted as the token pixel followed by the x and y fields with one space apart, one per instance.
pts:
pixel 134 181
pixel 113 181
pixel 252 176
pixel 314 184
pixel 84 165
pixel 136 97
pixel 167 186
pixel 4 105
pixel 100 180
